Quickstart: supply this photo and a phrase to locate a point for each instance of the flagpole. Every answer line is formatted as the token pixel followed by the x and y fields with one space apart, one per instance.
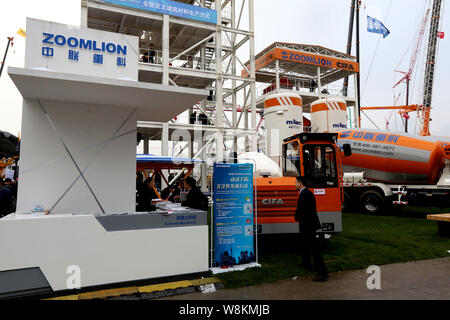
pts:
pixel 407 103
pixel 358 77
pixel 349 41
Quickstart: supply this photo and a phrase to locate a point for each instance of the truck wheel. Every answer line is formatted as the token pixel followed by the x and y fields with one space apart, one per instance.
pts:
pixel 372 202
pixel 347 204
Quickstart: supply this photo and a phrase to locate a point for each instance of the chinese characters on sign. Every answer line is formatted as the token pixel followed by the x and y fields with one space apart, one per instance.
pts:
pixel 121 62
pixel 372 143
pixel 81 51
pixel 173 8
pixel 74 55
pixel 47 51
pixel 370 136
pixel 74 43
pixel 98 58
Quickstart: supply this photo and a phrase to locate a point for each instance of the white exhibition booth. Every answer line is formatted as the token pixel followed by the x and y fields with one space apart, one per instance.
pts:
pixel 82 101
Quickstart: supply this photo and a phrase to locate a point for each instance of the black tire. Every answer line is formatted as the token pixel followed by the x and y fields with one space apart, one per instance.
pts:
pixel 372 202
pixel 347 204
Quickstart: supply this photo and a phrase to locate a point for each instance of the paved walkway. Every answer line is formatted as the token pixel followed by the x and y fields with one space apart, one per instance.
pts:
pixel 429 279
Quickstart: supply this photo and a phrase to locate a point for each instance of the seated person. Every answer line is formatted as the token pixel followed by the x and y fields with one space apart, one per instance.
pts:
pixel 180 188
pixel 165 193
pixel 174 191
pixel 195 199
pixel 145 195
pixel 170 192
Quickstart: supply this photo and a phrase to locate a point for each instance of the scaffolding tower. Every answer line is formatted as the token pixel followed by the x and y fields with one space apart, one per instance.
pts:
pixel 187 52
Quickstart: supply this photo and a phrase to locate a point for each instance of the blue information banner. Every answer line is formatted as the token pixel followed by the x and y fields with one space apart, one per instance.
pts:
pixel 172 8
pixel 233 214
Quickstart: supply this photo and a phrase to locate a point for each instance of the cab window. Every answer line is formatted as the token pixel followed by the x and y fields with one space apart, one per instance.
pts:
pixel 320 166
pixel 291 165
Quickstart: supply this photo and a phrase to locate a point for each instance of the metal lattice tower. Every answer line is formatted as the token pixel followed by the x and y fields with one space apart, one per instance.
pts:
pixel 194 54
pixel 425 111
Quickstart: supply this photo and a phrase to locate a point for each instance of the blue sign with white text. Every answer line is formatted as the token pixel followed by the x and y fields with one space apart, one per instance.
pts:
pixel 173 8
pixel 233 214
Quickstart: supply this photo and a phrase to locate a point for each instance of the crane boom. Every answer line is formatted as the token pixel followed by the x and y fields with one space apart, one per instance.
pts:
pixel 408 108
pixel 425 111
pixel 413 61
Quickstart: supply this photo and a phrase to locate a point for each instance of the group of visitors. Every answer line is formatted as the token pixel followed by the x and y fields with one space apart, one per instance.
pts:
pixel 8 196
pixel 184 191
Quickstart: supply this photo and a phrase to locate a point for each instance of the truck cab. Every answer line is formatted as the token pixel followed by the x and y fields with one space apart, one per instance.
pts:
pixel 317 157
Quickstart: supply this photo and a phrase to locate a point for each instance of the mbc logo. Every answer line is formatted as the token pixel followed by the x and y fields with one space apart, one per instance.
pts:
pixel 295 122
pixel 340 125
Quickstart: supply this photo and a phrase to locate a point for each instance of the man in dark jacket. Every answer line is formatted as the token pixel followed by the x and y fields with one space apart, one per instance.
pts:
pixel 145 195
pixel 309 223
pixel 7 202
pixel 195 199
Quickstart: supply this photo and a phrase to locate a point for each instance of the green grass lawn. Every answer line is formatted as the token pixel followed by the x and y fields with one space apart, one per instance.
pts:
pixel 366 240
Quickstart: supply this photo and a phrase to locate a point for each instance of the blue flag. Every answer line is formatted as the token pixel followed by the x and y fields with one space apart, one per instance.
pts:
pixel 375 26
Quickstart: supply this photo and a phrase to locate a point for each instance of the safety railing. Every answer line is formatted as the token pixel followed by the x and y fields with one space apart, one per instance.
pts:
pixel 226 12
pixel 304 86
pixel 193 62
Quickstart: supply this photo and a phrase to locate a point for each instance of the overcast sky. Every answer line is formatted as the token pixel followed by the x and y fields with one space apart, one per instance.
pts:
pixel 320 22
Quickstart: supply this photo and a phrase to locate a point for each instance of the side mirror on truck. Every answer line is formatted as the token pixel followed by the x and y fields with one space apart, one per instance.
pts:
pixel 347 149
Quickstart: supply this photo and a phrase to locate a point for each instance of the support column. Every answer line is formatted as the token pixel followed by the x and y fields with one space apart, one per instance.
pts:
pixel 319 83
pixel 164 150
pixel 165 49
pixel 84 14
pixel 355 107
pixel 204 173
pixel 246 124
pixel 358 59
pixel 219 84
pixel 253 75
pixel 191 143
pixel 234 71
pixel 277 70
pixel 146 146
pixel 198 138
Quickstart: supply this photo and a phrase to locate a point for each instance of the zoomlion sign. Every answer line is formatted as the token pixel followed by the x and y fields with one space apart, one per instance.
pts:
pixel 83 51
pixel 80 43
pixel 304 58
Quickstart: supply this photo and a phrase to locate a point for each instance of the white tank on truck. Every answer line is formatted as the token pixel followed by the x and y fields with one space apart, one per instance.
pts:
pixel 328 115
pixel 283 115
